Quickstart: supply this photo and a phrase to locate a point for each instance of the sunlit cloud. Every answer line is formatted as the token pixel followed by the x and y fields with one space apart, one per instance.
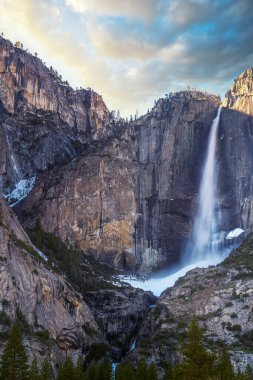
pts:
pixel 133 51
pixel 143 9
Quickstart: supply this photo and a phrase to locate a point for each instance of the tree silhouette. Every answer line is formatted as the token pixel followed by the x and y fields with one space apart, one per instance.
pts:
pixel 14 361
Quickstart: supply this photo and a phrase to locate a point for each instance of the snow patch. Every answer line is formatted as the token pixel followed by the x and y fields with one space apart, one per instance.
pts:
pixel 234 233
pixel 21 190
pixel 133 346
pixel 42 255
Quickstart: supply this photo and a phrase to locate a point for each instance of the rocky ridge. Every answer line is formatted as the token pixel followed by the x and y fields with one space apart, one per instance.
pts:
pixel 220 297
pixel 43 121
pixel 141 217
pixel 119 200
pixel 55 317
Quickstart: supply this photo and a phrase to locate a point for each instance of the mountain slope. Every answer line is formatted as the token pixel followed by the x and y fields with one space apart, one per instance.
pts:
pixel 55 317
pixel 43 121
pixel 130 201
pixel 220 297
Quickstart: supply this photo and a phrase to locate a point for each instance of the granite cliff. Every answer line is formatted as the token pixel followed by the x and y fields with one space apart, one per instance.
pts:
pixel 43 121
pixel 52 313
pixel 130 202
pixel 221 299
pixel 125 194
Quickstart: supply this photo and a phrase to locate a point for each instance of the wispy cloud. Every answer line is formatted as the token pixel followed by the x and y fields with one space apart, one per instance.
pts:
pixel 134 51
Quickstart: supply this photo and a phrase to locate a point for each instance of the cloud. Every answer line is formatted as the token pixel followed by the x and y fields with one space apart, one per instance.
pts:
pixel 132 52
pixel 143 9
pixel 188 12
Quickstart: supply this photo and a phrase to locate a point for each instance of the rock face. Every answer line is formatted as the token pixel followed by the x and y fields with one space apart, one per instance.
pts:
pixel 130 201
pixel 120 313
pixel 129 194
pixel 235 154
pixel 43 121
pixel 57 316
pixel 221 297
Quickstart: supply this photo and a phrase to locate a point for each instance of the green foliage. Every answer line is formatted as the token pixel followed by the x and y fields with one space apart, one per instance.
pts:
pixel 85 273
pixel 78 370
pixel 66 371
pixel 152 372
pixel 1 217
pixel 22 244
pixel 236 327
pixel 241 258
pixel 225 369
pixel 14 361
pixel 34 373
pixel 129 372
pixel 21 319
pixel 4 319
pixel 119 372
pixel 46 371
pixel 198 362
pixel 97 351
pixel 248 375
pixel 142 371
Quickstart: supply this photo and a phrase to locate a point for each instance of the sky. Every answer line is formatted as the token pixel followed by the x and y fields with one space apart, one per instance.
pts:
pixel 135 51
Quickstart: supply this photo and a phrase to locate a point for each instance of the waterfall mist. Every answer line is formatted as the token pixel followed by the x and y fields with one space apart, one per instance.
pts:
pixel 203 242
pixel 205 246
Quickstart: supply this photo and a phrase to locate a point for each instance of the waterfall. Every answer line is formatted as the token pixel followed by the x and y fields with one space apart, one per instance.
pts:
pixel 203 242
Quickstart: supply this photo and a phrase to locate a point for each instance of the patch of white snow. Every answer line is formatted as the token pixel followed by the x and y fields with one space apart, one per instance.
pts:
pixel 234 233
pixel 21 190
pixel 42 255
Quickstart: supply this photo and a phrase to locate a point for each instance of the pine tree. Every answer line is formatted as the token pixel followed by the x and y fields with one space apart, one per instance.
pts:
pixel 128 372
pixel 198 364
pixel 66 371
pixel 14 361
pixel 34 373
pixel 169 374
pixel 103 371
pixel 78 370
pixel 225 369
pixel 46 371
pixel 120 373
pixel 142 371
pixel 152 373
pixel 248 373
pixel 90 374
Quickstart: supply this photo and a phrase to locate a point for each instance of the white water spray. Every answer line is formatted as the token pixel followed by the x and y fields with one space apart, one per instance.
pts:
pixel 204 241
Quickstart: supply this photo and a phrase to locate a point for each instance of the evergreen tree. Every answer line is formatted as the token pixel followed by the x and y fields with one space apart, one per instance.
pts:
pixel 78 370
pixel 225 369
pixel 248 374
pixel 120 373
pixel 90 374
pixel 169 374
pixel 46 371
pixel 142 371
pixel 198 364
pixel 34 373
pixel 103 371
pixel 66 371
pixel 128 372
pixel 152 373
pixel 14 361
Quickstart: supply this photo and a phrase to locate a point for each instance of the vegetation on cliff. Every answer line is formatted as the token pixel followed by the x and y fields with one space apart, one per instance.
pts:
pixel 197 363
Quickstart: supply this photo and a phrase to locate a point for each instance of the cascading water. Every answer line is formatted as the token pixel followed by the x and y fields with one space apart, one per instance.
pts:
pixel 203 242
pixel 205 246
